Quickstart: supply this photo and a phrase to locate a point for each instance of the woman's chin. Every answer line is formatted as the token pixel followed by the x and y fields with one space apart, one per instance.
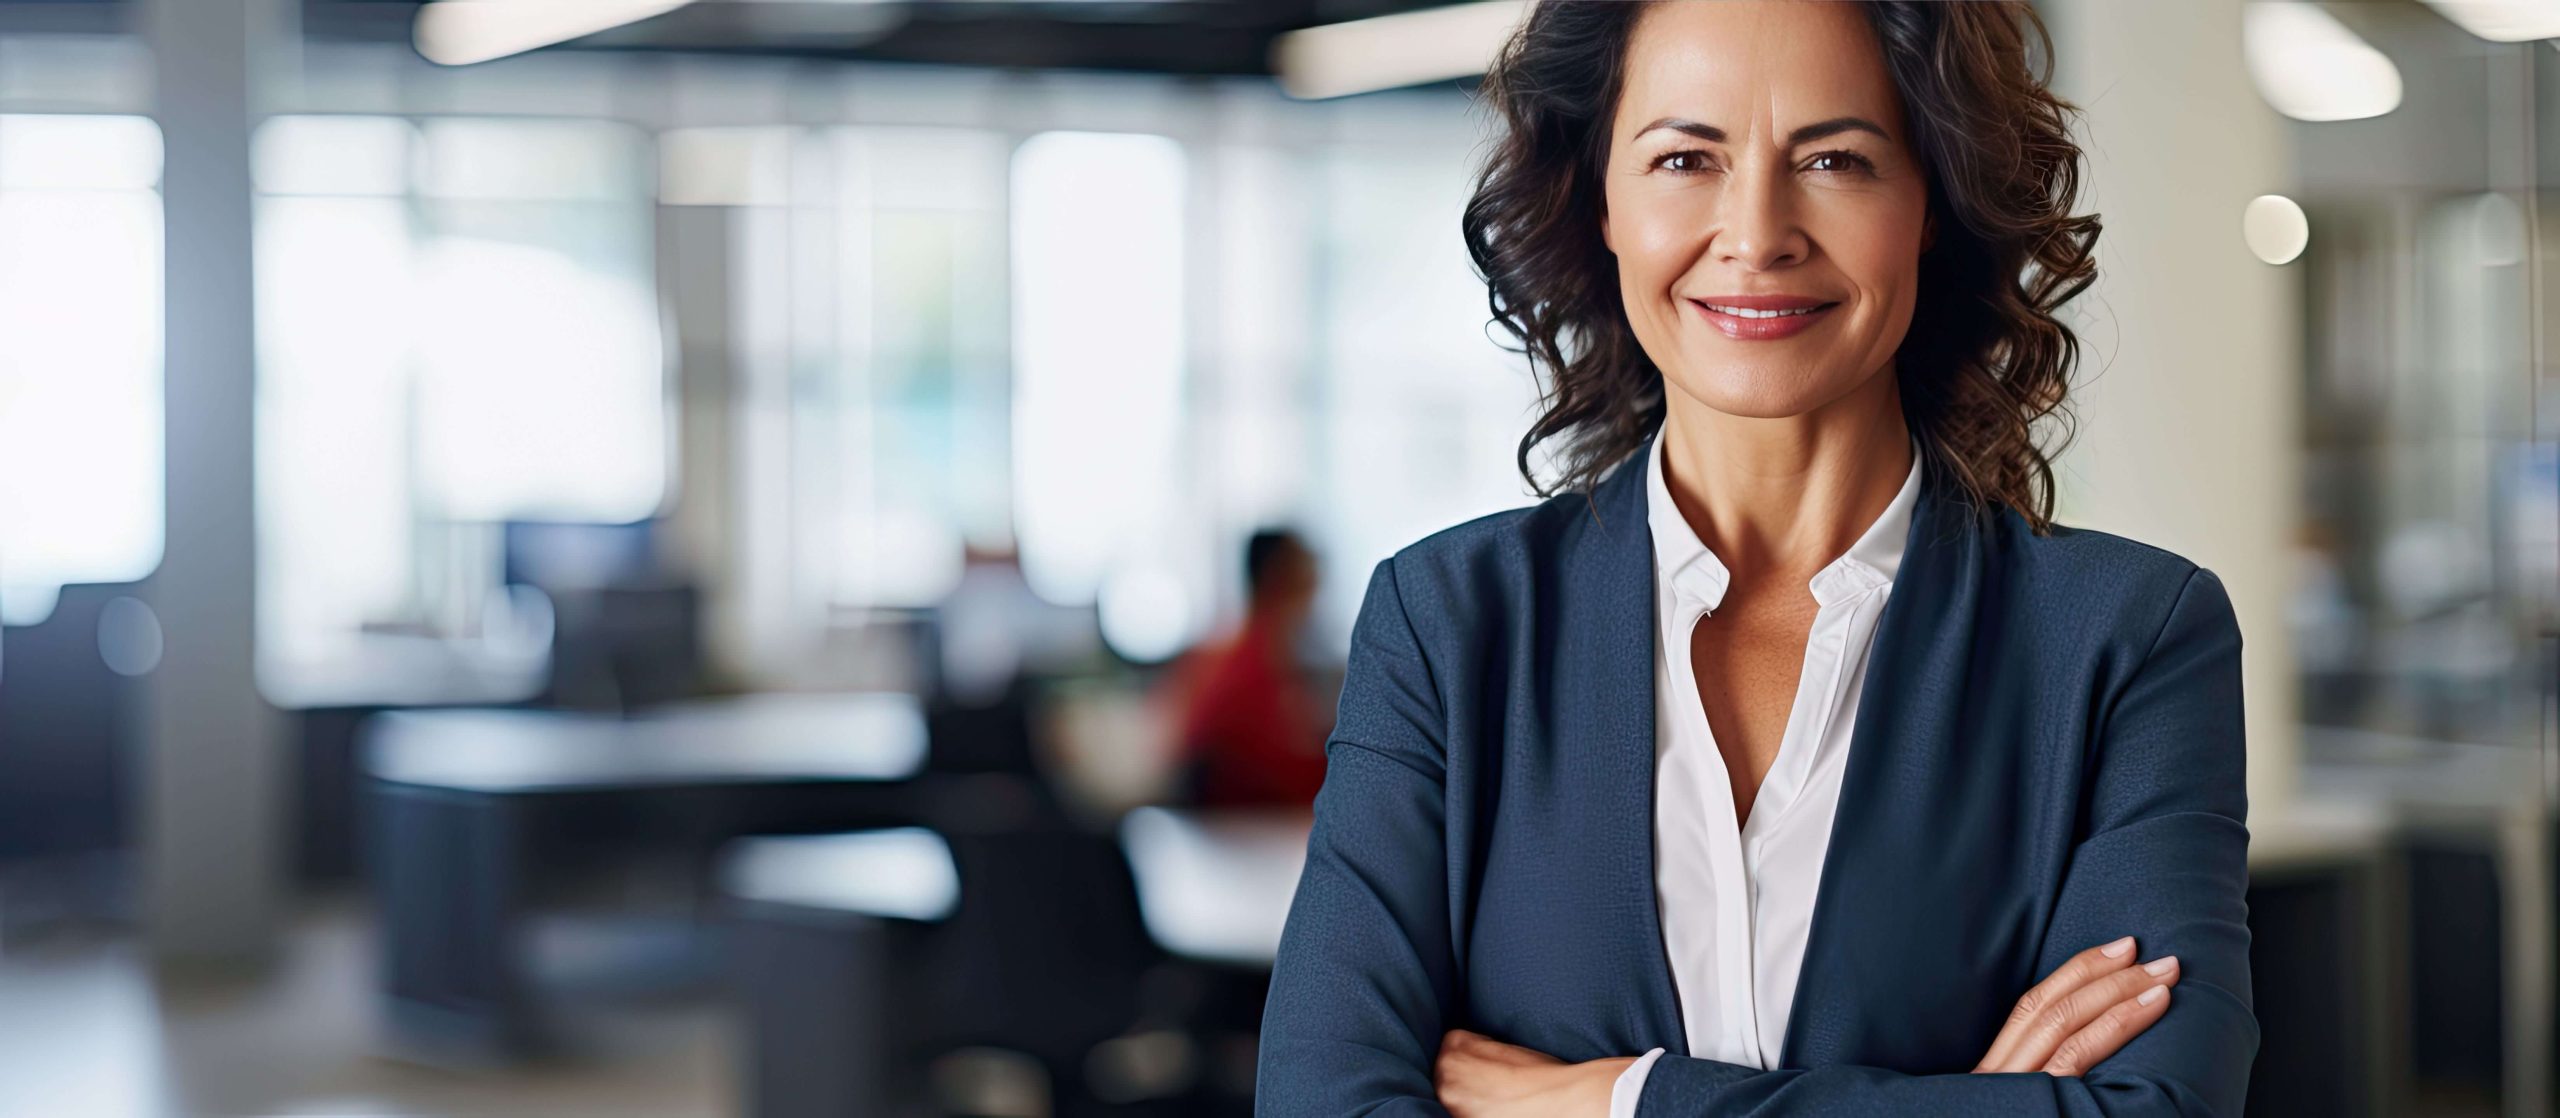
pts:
pixel 1774 394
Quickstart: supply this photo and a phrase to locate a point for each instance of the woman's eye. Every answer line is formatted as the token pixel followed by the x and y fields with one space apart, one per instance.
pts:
pixel 1681 161
pixel 1844 161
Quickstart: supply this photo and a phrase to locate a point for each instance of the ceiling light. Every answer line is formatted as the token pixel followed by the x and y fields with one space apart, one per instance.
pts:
pixel 1387 52
pixel 2503 21
pixel 2275 228
pixel 462 32
pixel 2311 67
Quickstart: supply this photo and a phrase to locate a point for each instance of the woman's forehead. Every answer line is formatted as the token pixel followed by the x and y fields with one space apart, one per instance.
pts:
pixel 1754 67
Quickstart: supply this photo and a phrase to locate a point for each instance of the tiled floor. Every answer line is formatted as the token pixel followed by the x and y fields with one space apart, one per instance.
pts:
pixel 88 1031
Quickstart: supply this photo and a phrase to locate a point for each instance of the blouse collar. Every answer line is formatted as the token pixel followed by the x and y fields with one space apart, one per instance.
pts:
pixel 1687 570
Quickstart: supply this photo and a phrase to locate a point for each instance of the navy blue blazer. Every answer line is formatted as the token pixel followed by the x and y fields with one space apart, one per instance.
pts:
pixel 2047 756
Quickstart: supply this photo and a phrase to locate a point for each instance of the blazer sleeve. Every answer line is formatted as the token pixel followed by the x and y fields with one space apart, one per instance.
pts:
pixel 2165 859
pixel 1365 969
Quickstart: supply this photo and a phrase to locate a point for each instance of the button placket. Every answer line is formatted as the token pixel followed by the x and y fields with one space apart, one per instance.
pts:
pixel 1735 987
pixel 1726 920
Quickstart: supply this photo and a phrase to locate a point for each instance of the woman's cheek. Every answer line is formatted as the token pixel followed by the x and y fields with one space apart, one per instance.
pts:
pixel 1665 231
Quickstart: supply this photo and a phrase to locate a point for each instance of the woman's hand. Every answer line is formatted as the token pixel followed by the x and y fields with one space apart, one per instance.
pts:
pixel 1480 1077
pixel 2083 1012
pixel 2079 1015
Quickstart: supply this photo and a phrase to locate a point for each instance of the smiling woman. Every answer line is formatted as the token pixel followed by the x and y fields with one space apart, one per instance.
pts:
pixel 1789 757
pixel 1608 169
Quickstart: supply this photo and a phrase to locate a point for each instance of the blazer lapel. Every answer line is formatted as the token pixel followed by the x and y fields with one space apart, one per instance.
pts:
pixel 1880 906
pixel 1605 661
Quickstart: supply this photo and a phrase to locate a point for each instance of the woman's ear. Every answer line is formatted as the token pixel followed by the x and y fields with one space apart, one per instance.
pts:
pixel 1928 231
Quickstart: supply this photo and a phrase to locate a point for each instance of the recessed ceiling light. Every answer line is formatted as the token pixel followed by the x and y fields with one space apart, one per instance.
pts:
pixel 2503 21
pixel 1388 52
pixel 462 32
pixel 2276 228
pixel 2309 66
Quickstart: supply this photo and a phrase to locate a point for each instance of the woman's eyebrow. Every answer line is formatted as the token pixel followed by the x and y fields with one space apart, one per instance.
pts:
pixel 1806 134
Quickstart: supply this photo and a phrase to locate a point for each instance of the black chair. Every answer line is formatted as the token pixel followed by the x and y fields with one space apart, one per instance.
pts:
pixel 1042 955
pixel 69 727
pixel 624 648
pixel 70 740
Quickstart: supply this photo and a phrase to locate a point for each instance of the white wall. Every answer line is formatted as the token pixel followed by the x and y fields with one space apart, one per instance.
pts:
pixel 2189 414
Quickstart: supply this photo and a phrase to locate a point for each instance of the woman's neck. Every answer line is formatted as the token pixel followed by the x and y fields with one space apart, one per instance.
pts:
pixel 1786 496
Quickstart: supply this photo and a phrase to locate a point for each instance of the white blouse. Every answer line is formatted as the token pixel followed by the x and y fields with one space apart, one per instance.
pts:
pixel 1737 900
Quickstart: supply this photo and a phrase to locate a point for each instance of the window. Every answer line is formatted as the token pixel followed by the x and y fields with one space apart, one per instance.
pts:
pixel 1118 346
pixel 1423 412
pixel 541 387
pixel 80 355
pixel 457 325
pixel 1099 363
pixel 923 381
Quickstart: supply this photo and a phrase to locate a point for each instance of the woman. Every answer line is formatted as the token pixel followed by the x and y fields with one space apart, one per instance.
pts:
pixel 1788 758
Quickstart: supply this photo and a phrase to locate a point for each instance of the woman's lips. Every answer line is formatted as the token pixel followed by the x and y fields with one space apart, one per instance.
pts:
pixel 1742 328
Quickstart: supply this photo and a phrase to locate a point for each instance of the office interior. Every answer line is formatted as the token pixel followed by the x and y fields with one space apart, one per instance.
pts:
pixel 650 566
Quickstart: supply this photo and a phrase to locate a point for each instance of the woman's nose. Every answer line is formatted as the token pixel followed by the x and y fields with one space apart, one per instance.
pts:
pixel 1757 223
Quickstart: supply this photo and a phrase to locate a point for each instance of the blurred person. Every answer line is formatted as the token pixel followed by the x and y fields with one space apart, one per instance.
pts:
pixel 1251 722
pixel 1643 800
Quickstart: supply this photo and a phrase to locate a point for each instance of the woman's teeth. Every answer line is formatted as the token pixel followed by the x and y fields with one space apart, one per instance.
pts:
pixel 1739 312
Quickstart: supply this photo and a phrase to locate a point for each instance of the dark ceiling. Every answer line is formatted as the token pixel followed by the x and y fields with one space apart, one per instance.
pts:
pixel 85 16
pixel 1153 36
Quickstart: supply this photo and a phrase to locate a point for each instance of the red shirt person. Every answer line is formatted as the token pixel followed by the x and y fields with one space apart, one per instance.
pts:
pixel 1252 727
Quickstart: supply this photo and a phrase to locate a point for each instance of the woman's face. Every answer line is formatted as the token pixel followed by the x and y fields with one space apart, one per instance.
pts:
pixel 1758 150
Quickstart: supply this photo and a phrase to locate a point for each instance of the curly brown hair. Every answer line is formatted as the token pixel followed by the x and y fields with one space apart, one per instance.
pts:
pixel 1986 362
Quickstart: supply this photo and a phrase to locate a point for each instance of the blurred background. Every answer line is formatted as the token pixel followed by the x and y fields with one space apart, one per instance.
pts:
pixel 793 557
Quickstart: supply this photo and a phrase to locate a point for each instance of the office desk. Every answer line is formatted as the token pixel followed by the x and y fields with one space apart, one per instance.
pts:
pixel 865 960
pixel 829 934
pixel 470 806
pixel 328 700
pixel 2466 911
pixel 1215 886
pixel 1213 891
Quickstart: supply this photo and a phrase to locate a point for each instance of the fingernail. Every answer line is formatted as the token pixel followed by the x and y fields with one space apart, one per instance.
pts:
pixel 2153 994
pixel 2161 966
pixel 2117 949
